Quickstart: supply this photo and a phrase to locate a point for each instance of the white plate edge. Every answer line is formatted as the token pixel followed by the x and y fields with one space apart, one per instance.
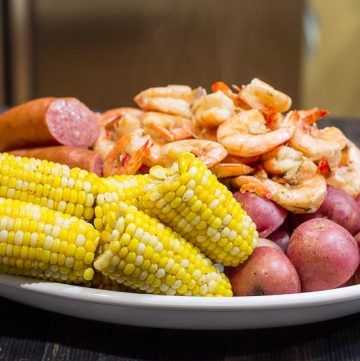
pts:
pixel 134 300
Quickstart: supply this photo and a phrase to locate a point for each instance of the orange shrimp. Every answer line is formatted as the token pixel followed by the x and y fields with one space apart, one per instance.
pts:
pixel 211 153
pixel 225 170
pixel 262 96
pixel 213 109
pixel 113 125
pixel 172 99
pixel 166 127
pixel 120 161
pixel 247 133
pixel 316 143
pixel 291 180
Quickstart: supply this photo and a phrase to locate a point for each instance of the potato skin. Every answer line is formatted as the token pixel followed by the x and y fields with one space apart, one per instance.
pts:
pixel 281 238
pixel 267 215
pixel 265 242
pixel 324 254
pixel 339 207
pixel 267 272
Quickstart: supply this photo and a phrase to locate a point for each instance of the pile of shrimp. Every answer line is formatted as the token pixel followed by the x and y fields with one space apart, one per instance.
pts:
pixel 247 135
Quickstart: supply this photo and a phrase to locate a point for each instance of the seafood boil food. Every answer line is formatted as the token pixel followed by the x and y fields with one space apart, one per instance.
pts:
pixel 190 193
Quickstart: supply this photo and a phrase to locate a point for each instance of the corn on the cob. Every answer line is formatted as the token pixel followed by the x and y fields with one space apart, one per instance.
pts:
pixel 38 242
pixel 126 188
pixel 142 254
pixel 52 185
pixel 188 198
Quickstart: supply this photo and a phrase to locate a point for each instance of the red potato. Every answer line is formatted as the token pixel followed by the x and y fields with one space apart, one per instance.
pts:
pixel 281 238
pixel 267 272
pixel 339 207
pixel 263 242
pixel 267 215
pixel 324 254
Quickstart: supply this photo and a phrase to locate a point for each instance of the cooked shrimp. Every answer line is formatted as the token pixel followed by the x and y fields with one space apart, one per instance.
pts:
pixel 126 124
pixel 284 161
pixel 233 166
pixel 262 96
pixel 294 182
pixel 172 99
pixel 221 86
pixel 104 143
pixel 225 170
pixel 200 132
pixel 138 139
pixel 213 109
pixel 166 127
pixel 247 133
pixel 318 144
pixel 123 159
pixel 117 113
pixel 347 175
pixel 113 125
pixel 211 153
pixel 244 160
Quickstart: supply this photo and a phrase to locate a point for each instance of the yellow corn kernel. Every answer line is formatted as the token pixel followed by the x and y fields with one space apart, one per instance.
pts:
pixel 206 213
pixel 153 258
pixel 48 184
pixel 88 274
pixel 37 253
pixel 111 191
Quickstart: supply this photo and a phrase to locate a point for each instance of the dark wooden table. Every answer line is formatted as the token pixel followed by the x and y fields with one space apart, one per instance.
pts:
pixel 30 334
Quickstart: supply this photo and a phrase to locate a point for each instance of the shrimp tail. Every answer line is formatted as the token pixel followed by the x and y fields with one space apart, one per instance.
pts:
pixel 163 132
pixel 136 161
pixel 117 162
pixel 269 115
pixel 177 133
pixel 312 115
pixel 324 167
pixel 253 185
pixel 291 120
pixel 219 85
pixel 224 170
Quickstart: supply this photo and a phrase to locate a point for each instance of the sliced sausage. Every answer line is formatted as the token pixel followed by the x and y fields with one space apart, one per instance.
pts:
pixel 72 156
pixel 48 121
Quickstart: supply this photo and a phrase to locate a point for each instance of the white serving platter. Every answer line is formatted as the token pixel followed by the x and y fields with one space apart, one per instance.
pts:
pixel 182 312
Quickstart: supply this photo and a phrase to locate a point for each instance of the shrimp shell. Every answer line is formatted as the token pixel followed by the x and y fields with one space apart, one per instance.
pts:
pixel 347 175
pixel 315 143
pixel 262 96
pixel 213 109
pixel 302 189
pixel 247 134
pixel 211 153
pixel 172 99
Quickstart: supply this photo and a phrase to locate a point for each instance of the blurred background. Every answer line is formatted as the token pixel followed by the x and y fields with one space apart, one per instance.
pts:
pixel 105 51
